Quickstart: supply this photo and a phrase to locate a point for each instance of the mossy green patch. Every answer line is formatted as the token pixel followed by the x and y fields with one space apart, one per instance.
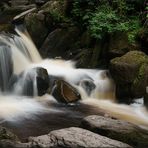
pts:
pixel 141 75
pixel 132 57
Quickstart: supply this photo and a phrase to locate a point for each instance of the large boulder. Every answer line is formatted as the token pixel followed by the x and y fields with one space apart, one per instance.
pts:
pixel 74 137
pixel 130 73
pixel 116 129
pixel 59 42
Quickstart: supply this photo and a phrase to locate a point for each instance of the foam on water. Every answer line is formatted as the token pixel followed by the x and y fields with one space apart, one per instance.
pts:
pixel 16 108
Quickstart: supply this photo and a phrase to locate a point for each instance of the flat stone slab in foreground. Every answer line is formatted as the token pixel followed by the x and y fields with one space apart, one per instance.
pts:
pixel 75 137
pixel 117 129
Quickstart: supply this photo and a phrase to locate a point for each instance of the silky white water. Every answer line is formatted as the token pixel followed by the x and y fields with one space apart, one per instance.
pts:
pixel 25 57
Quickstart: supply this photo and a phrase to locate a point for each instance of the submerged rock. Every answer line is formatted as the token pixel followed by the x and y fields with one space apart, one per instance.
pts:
pixel 64 92
pixel 74 137
pixel 130 73
pixel 116 129
pixel 32 82
pixel 88 85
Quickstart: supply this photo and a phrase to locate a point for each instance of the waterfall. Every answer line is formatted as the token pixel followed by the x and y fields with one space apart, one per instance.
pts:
pixel 31 48
pixel 19 60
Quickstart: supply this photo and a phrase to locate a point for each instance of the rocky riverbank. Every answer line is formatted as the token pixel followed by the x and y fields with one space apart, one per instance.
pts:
pixel 58 32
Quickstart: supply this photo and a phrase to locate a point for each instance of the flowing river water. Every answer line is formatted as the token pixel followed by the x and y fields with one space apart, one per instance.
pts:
pixel 32 116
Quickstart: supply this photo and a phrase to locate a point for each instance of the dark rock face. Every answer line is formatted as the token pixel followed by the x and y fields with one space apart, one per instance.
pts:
pixel 34 81
pixel 143 34
pixel 118 44
pixel 64 92
pixel 116 129
pixel 74 137
pixel 130 74
pixel 59 41
pixel 42 81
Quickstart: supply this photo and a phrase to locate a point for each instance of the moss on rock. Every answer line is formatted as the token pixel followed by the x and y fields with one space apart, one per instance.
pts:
pixel 130 71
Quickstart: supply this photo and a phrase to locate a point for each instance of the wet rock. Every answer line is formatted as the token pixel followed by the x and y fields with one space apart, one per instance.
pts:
pixel 74 137
pixel 116 129
pixel 59 41
pixel 33 82
pixel 88 85
pixel 64 92
pixel 130 74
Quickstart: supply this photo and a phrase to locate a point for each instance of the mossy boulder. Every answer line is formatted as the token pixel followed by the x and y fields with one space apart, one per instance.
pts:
pixel 130 73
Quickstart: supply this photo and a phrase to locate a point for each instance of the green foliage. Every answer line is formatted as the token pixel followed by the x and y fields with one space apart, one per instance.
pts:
pixel 101 17
pixel 82 11
pixel 134 27
pixel 105 20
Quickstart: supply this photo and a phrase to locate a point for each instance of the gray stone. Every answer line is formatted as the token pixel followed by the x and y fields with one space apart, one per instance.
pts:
pixel 116 129
pixel 74 137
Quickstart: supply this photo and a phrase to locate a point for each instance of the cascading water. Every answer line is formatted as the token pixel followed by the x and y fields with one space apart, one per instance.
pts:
pixel 19 56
